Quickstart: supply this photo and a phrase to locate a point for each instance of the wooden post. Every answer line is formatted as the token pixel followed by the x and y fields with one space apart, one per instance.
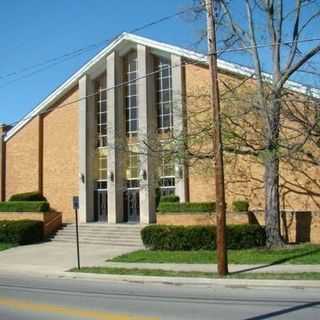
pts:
pixel 217 143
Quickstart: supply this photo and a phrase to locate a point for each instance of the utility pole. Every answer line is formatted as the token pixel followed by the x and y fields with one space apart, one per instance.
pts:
pixel 217 142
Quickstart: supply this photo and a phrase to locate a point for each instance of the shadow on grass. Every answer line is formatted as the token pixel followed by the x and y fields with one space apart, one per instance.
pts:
pixel 284 311
pixel 277 262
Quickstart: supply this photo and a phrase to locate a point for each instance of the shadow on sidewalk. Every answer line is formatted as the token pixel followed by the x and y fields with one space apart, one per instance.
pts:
pixel 284 311
pixel 277 262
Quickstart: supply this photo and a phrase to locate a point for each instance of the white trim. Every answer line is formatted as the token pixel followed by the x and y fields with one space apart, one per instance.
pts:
pixel 73 80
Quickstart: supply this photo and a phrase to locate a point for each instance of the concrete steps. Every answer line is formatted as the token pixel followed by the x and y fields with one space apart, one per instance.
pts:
pixel 98 233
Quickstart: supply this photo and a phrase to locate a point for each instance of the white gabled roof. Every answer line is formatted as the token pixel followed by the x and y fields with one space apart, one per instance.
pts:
pixel 191 55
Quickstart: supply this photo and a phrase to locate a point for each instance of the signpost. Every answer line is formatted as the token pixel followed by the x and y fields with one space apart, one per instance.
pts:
pixel 75 201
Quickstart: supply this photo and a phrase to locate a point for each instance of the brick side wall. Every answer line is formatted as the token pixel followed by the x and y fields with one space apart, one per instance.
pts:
pixel 60 155
pixel 243 174
pixel 22 160
pixel 51 220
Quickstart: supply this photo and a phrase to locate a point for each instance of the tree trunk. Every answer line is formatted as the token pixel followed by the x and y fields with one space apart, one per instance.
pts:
pixel 271 176
pixel 272 202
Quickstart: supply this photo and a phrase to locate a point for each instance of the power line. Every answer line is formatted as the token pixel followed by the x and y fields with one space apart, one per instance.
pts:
pixel 124 83
pixel 139 78
pixel 83 50
pixel 74 53
pixel 265 45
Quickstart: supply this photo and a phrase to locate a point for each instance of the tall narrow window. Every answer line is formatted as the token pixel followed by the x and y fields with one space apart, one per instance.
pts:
pixel 101 133
pixel 167 173
pixel 164 94
pixel 101 111
pixel 101 175
pixel 131 99
pixel 133 164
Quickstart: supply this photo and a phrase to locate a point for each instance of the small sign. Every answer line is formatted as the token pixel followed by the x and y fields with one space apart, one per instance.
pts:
pixel 75 201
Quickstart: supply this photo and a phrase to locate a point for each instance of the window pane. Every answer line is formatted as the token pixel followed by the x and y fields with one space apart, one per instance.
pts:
pixel 103 118
pixel 165 70
pixel 166 83
pixel 164 94
pixel 166 121
pixel 134 125
pixel 134 113
pixel 166 108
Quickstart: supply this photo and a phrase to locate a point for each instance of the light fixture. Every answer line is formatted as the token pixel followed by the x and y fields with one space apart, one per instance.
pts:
pixel 110 176
pixel 179 171
pixel 143 174
pixel 82 177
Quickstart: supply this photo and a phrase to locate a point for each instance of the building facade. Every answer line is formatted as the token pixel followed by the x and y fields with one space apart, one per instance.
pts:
pixel 103 135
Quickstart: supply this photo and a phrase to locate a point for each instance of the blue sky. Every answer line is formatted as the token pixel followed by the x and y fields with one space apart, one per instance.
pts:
pixel 33 31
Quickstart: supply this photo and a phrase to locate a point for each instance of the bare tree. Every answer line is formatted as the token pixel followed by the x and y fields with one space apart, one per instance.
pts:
pixel 272 33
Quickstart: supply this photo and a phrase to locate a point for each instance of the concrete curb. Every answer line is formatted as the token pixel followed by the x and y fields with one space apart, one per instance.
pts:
pixel 248 268
pixel 230 283
pixel 196 281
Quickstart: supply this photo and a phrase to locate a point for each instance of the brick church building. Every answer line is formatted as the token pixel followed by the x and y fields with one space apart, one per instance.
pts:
pixel 89 137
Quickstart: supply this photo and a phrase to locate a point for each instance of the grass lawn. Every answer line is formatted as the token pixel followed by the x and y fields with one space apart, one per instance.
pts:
pixel 4 246
pixel 162 273
pixel 299 254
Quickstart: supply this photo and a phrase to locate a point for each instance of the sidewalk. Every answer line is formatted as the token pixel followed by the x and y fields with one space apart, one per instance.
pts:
pixel 277 268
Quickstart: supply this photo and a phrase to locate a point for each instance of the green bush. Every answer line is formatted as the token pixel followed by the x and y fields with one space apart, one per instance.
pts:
pixel 162 237
pixel 245 236
pixel 187 207
pixel 165 237
pixel 21 232
pixel 28 196
pixel 171 198
pixel 24 206
pixel 240 206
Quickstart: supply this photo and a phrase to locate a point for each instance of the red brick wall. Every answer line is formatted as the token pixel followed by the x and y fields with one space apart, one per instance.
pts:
pixel 22 160
pixel 61 155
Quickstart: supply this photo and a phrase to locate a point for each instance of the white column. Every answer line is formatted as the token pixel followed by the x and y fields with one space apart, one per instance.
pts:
pixel 115 139
pixel 178 124
pixel 145 136
pixel 86 150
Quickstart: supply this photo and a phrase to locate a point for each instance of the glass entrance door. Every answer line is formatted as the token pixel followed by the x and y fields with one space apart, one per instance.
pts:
pixel 101 205
pixel 132 205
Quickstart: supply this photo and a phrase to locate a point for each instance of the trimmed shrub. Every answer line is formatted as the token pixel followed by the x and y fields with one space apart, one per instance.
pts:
pixel 245 236
pixel 188 207
pixel 240 206
pixel 24 206
pixel 164 237
pixel 28 196
pixel 171 198
pixel 21 232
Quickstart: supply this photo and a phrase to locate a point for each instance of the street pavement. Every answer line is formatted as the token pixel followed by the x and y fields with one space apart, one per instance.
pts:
pixel 36 297
pixel 34 285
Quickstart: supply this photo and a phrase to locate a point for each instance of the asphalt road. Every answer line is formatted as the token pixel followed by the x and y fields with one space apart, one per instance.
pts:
pixel 25 297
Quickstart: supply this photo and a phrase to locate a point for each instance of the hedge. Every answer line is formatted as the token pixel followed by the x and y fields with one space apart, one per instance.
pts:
pixel 171 198
pixel 240 206
pixel 24 206
pixel 188 207
pixel 21 232
pixel 164 237
pixel 28 196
